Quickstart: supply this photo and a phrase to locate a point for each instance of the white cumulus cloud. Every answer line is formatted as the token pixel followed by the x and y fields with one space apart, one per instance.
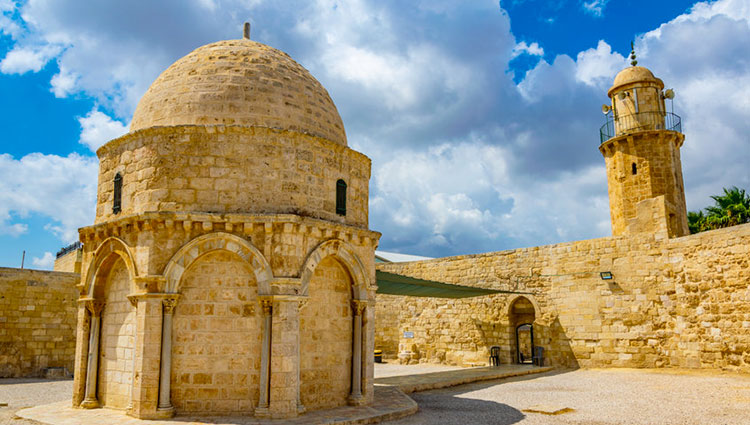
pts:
pixel 98 128
pixel 62 189
pixel 45 262
pixel 533 49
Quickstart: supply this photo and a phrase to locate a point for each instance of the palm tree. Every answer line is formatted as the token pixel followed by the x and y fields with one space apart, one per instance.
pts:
pixel 696 221
pixel 729 209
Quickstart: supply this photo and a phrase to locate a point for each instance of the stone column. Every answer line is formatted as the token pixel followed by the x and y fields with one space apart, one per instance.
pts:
pixel 355 398
pixel 368 345
pixel 92 370
pixel 81 356
pixel 300 406
pixel 265 357
pixel 147 357
pixel 134 303
pixel 284 357
pixel 165 375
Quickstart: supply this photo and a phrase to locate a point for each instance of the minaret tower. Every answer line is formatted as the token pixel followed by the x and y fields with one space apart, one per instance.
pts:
pixel 641 147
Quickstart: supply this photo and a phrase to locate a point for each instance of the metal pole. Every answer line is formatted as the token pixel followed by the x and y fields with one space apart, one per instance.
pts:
pixel 23 258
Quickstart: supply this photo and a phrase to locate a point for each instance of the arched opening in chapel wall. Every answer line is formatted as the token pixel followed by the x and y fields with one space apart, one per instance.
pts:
pixel 521 316
pixel 117 335
pixel 326 337
pixel 216 337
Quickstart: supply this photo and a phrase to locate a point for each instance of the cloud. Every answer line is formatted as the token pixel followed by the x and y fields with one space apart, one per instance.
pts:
pixel 596 67
pixel 47 262
pixel 594 7
pixel 464 158
pixel 98 128
pixel 532 49
pixel 62 189
pixel 22 60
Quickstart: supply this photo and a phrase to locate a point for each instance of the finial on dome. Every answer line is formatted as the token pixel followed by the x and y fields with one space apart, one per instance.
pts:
pixel 246 31
pixel 632 54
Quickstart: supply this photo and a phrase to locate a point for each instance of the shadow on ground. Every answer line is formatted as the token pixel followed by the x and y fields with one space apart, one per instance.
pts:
pixel 434 408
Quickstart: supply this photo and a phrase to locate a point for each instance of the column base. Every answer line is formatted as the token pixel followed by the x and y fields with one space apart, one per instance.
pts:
pixel 160 413
pixel 164 412
pixel 356 400
pixel 262 412
pixel 90 403
pixel 300 409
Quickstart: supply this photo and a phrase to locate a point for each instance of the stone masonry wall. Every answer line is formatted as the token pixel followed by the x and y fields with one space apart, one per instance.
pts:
pixel 37 321
pixel 681 302
pixel 232 169
pixel 117 339
pixel 70 262
pixel 326 338
pixel 217 338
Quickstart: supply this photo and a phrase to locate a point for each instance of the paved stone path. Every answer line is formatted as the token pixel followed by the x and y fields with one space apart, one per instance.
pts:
pixel 420 380
pixel 595 397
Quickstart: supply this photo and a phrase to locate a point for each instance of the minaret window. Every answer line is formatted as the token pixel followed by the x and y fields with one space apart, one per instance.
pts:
pixel 635 169
pixel 341 197
pixel 117 198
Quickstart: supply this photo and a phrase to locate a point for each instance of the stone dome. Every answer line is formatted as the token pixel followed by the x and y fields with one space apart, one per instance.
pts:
pixel 241 83
pixel 633 74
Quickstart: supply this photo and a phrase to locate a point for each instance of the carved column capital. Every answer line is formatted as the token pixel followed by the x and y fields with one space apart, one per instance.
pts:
pixel 267 305
pixel 358 307
pixel 95 307
pixel 169 304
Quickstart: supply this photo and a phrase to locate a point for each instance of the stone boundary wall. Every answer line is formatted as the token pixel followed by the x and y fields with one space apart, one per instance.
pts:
pixel 681 302
pixel 37 321
pixel 69 262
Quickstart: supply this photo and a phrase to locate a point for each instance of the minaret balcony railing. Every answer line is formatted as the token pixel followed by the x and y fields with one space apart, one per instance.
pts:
pixel 642 121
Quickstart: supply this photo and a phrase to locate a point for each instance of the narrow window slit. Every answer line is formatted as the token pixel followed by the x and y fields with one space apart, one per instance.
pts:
pixel 341 197
pixel 117 201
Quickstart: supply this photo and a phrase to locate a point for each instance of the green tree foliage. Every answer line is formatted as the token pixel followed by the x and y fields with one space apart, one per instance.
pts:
pixel 730 209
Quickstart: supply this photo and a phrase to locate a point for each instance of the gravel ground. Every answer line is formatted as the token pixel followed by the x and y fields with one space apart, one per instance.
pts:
pixel 597 397
pixel 23 393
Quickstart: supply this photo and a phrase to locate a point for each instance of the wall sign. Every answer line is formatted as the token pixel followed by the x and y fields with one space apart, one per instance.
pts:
pixel 408 334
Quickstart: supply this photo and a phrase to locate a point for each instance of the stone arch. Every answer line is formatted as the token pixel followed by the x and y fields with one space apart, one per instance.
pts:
pixel 344 253
pixel 521 323
pixel 204 244
pixel 105 255
pixel 512 300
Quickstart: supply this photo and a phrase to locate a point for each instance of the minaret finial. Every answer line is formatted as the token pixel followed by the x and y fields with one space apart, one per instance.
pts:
pixel 632 54
pixel 246 31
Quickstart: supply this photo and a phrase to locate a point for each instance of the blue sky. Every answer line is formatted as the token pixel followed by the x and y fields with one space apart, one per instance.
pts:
pixel 481 118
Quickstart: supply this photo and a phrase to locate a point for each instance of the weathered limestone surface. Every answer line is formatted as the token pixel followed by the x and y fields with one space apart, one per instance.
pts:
pixel 240 82
pixel 69 263
pixel 230 169
pixel 216 338
pixel 37 321
pixel 326 338
pixel 117 339
pixel 682 302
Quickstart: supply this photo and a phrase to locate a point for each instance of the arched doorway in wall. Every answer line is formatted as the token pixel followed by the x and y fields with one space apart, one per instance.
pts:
pixel 216 337
pixel 117 338
pixel 326 337
pixel 521 315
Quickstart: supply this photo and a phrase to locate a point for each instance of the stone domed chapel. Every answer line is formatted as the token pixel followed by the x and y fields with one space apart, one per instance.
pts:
pixel 230 269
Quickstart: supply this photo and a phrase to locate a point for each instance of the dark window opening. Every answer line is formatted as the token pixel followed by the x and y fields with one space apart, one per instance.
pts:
pixel 341 197
pixel 117 201
pixel 635 169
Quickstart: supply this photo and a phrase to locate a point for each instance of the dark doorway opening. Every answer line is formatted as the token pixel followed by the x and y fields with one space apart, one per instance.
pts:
pixel 525 343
